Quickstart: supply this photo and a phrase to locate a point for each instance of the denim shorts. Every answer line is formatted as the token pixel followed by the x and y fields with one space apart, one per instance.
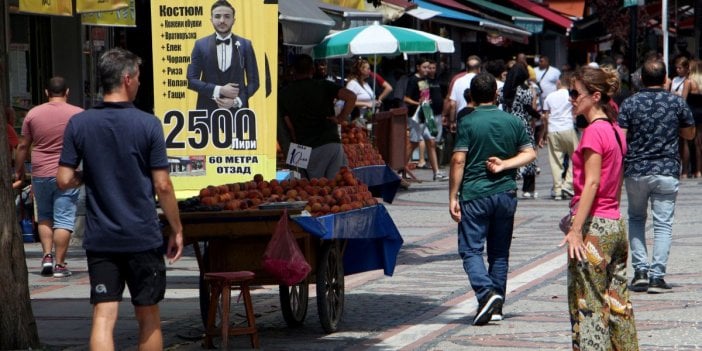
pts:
pixel 53 204
pixel 143 272
pixel 418 131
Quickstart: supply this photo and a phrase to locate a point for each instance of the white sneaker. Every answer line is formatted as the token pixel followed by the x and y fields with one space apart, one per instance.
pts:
pixel 440 176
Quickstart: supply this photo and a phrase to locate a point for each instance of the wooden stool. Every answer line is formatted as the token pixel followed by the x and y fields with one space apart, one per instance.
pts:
pixel 221 284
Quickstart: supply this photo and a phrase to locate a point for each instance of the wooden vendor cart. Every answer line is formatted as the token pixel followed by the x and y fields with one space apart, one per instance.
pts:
pixel 236 240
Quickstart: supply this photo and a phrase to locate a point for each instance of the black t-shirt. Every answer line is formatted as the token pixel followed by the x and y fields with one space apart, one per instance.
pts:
pixel 437 99
pixel 308 103
pixel 414 91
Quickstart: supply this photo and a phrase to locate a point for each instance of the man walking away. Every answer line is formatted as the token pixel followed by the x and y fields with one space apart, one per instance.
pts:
pixel 559 133
pixel 490 146
pixel 124 165
pixel 42 130
pixel 653 119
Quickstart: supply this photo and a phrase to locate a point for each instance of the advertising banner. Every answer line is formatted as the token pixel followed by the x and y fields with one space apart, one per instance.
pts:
pixel 215 73
pixel 84 6
pixel 47 7
pixel 125 17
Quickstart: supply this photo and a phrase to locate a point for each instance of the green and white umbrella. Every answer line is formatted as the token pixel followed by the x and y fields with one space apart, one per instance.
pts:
pixel 376 39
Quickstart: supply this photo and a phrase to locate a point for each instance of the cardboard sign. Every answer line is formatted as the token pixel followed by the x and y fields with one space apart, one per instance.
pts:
pixel 298 155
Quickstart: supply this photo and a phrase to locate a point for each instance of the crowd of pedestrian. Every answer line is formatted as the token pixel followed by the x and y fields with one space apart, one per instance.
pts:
pixel 491 117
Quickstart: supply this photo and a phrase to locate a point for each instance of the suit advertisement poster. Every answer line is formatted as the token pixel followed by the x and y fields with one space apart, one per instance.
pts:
pixel 215 73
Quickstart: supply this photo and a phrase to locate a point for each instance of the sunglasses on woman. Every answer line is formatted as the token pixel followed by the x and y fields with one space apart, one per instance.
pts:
pixel 574 93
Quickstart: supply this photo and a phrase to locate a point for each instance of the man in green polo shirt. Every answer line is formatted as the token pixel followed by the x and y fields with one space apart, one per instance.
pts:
pixel 490 146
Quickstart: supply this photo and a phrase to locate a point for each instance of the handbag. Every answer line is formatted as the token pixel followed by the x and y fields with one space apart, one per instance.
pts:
pixel 567 221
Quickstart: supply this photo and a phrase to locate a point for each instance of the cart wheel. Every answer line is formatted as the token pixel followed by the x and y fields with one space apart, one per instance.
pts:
pixel 204 290
pixel 330 286
pixel 293 303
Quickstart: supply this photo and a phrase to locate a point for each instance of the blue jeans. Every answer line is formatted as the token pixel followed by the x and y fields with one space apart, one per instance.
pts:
pixel 661 191
pixel 488 219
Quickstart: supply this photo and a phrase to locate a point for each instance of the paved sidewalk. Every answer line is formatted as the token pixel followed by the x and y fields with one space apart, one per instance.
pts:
pixel 426 305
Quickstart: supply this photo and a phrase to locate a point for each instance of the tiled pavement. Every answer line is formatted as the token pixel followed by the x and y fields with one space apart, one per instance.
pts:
pixel 427 304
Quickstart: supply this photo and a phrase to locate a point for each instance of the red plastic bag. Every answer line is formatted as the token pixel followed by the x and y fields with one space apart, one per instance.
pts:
pixel 283 259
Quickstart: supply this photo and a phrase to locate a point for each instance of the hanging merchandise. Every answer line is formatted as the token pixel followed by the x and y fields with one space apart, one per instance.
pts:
pixel 54 7
pixel 283 258
pixel 85 6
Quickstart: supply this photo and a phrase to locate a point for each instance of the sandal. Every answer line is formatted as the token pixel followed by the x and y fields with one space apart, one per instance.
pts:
pixel 424 166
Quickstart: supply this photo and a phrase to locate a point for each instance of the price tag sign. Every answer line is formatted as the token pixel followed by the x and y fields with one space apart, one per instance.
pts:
pixel 298 155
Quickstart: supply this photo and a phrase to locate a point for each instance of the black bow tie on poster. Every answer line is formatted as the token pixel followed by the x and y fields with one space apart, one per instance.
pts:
pixel 225 41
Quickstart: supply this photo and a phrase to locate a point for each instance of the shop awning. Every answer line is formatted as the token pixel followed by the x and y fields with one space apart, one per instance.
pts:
pixel 520 19
pixel 422 13
pixel 461 19
pixel 574 8
pixel 589 29
pixel 346 17
pixel 544 13
pixel 303 22
pixel 394 9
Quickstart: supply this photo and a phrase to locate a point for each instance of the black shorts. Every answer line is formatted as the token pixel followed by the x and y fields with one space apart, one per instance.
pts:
pixel 143 272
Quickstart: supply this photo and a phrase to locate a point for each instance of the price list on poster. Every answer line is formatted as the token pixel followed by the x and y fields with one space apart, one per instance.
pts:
pixel 177 29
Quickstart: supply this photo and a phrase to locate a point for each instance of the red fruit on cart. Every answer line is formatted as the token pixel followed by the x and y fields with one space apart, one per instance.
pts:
pixel 338 194
pixel 208 201
pixel 232 205
pixel 316 207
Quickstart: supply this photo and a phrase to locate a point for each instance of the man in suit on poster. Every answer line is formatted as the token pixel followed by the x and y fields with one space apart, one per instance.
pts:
pixel 223 69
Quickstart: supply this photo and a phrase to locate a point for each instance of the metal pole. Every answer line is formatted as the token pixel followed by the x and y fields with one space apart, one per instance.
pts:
pixel 664 29
pixel 633 31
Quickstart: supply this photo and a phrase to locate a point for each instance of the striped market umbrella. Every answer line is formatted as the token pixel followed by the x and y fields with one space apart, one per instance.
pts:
pixel 376 39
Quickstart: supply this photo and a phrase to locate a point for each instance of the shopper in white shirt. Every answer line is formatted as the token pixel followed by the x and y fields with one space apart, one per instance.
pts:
pixel 560 134
pixel 546 77
pixel 456 99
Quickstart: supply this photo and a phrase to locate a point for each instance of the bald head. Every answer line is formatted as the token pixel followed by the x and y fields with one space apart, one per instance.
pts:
pixel 473 64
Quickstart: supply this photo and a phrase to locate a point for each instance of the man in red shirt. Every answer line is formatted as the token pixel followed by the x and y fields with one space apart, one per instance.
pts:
pixel 42 129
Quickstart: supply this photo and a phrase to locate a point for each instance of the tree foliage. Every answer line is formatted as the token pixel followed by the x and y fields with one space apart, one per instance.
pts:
pixel 617 21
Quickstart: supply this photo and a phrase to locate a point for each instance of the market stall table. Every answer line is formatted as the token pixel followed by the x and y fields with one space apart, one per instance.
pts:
pixel 334 245
pixel 382 181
